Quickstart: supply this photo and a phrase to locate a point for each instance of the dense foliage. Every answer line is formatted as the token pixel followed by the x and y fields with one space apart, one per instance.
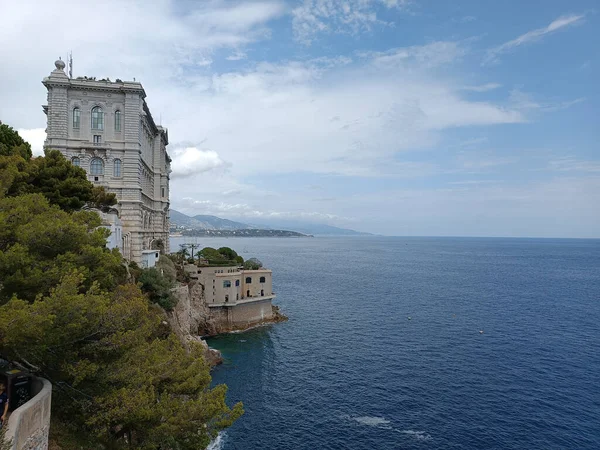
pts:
pixel 116 369
pixel 253 264
pixel 120 377
pixel 62 183
pixel 40 243
pixel 158 288
pixel 221 256
pixel 13 144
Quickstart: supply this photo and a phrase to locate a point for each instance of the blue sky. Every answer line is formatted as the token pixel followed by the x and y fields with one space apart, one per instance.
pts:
pixel 470 118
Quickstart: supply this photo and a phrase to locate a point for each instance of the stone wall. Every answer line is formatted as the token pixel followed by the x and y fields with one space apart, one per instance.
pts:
pixel 29 425
pixel 251 313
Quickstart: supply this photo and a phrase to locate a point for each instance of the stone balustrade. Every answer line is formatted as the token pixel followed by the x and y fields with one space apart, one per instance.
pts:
pixel 28 425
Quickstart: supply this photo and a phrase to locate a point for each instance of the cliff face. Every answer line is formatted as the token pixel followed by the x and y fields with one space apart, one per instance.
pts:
pixel 190 319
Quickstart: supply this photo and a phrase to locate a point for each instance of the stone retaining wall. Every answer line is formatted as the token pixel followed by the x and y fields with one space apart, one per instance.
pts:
pixel 29 425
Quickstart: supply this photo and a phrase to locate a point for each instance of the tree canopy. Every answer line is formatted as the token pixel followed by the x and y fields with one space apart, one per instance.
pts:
pixel 11 144
pixel 62 183
pixel 40 243
pixel 69 312
pixel 253 264
pixel 117 371
pixel 223 255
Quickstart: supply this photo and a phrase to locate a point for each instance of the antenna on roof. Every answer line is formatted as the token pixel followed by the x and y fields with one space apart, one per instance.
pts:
pixel 71 64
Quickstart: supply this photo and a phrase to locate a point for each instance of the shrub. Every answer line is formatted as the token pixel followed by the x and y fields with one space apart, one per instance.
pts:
pixel 166 268
pixel 252 264
pixel 158 288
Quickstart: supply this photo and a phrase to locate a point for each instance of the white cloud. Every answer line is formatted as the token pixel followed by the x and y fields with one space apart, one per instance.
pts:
pixel 422 56
pixel 36 138
pixel 524 101
pixel 246 211
pixel 192 161
pixel 338 16
pixel 559 207
pixel 237 56
pixel 572 164
pixel 267 121
pixel 532 36
pixel 157 45
pixel 483 87
pixel 278 118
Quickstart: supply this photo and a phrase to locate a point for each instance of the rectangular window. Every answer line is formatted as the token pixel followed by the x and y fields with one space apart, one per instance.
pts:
pixel 76 118
pixel 97 118
pixel 97 139
pixel 117 120
pixel 117 168
pixel 226 283
pixel 162 190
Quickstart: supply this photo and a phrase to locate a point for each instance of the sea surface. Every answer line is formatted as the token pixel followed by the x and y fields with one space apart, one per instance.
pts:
pixel 419 343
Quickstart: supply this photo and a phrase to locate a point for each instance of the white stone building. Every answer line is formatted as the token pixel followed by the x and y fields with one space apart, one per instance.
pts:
pixel 106 128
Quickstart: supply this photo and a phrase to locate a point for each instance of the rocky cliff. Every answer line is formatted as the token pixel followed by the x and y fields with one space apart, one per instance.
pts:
pixel 190 319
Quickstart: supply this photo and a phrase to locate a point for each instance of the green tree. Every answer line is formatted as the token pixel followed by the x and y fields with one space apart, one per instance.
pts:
pixel 158 288
pixel 117 372
pixel 167 269
pixel 62 183
pixel 252 264
pixel 39 243
pixel 211 254
pixel 228 253
pixel 11 144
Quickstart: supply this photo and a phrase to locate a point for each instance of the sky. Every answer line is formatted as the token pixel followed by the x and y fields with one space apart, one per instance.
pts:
pixel 395 117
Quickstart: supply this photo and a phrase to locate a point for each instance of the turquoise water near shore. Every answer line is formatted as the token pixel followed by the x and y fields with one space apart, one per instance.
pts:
pixel 383 348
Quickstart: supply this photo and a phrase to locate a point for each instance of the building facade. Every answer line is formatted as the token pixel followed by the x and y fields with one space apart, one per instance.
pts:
pixel 234 296
pixel 106 128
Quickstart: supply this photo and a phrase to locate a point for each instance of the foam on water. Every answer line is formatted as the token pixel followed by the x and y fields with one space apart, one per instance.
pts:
pixel 372 421
pixel 419 435
pixel 218 443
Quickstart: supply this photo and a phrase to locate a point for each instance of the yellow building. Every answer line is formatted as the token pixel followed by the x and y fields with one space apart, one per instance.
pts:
pixel 236 297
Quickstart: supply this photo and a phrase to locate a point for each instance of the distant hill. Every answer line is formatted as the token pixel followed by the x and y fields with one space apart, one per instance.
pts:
pixel 206 222
pixel 202 222
pixel 315 228
pixel 251 232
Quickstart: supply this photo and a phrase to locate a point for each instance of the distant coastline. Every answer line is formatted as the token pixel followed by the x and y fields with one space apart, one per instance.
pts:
pixel 251 232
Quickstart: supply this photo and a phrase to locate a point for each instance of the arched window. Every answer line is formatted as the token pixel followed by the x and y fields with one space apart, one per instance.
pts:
pixel 262 279
pixel 96 166
pixel 117 120
pixel 76 117
pixel 97 118
pixel 237 282
pixel 117 168
pixel 75 161
pixel 248 279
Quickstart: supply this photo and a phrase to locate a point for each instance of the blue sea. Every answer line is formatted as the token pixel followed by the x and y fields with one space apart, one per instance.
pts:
pixel 419 343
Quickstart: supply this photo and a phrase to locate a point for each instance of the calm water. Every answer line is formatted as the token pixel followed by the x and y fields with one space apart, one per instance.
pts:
pixel 350 370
